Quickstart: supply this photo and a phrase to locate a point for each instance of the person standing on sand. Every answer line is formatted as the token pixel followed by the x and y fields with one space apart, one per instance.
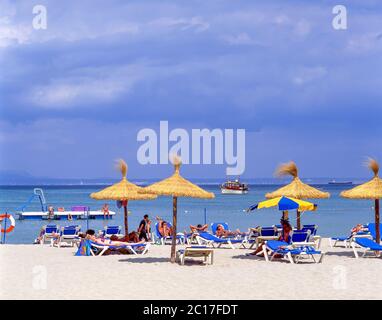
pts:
pixel 144 228
pixel 105 210
pixel 50 212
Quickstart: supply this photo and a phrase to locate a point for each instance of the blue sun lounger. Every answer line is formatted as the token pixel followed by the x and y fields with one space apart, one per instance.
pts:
pixel 347 240
pixel 68 236
pixel 367 245
pixel 265 234
pixel 163 240
pixel 371 228
pixel 292 254
pixel 50 231
pixel 302 238
pixel 99 249
pixel 313 234
pixel 214 226
pixel 111 231
pixel 205 238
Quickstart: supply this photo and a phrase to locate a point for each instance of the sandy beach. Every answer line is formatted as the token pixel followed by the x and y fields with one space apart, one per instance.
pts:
pixel 43 272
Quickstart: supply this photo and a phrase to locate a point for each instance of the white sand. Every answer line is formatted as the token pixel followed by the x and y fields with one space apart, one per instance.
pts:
pixel 43 272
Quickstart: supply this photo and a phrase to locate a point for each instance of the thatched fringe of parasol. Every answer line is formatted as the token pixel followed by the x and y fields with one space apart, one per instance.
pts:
pixel 287 169
pixel 296 189
pixel 177 186
pixel 369 190
pixel 123 190
pixel 373 165
pixel 122 166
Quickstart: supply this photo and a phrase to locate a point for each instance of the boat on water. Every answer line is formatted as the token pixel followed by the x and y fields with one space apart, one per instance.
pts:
pixel 77 212
pixel 340 183
pixel 234 187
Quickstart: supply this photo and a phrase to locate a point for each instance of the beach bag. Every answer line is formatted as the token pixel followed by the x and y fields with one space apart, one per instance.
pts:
pixel 84 248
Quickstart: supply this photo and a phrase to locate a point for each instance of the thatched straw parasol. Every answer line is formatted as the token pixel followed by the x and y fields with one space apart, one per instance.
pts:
pixel 369 190
pixel 176 186
pixel 122 191
pixel 296 189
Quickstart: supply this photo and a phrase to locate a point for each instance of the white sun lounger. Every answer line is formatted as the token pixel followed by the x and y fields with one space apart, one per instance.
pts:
pixel 195 251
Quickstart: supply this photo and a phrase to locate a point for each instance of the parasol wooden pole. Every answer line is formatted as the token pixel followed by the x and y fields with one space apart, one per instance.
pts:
pixel 125 219
pixel 173 242
pixel 377 225
pixel 298 220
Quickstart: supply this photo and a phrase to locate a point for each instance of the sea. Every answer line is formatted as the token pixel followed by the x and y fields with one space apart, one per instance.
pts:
pixel 334 216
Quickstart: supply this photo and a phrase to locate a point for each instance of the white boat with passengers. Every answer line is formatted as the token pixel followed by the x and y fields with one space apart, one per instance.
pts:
pixel 75 213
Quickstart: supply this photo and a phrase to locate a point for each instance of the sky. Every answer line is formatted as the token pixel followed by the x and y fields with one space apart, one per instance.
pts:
pixel 74 96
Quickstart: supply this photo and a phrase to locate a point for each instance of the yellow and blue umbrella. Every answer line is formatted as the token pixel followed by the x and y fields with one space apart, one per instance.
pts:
pixel 285 204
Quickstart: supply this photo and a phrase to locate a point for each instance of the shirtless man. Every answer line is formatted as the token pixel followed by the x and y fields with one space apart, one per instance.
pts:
pixel 221 232
pixel 199 228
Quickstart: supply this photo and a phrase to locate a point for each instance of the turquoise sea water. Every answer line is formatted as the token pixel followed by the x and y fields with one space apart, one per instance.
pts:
pixel 335 216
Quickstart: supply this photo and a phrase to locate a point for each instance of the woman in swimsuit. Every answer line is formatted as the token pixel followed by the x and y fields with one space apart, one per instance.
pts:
pixel 164 229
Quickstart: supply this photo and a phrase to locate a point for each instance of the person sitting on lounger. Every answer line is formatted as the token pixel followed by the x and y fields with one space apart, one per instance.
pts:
pixel 199 228
pixel 40 237
pixel 164 229
pixel 285 236
pixel 223 233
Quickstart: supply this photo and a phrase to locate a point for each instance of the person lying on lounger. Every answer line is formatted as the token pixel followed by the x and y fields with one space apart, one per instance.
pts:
pixel 163 227
pixel 221 232
pixel 109 241
pixel 359 227
pixel 285 237
pixel 199 228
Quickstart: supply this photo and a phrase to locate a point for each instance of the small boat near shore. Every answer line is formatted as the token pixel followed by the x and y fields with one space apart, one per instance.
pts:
pixel 234 187
pixel 77 212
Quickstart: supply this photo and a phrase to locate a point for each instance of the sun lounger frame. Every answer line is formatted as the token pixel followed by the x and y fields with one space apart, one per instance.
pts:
pixel 194 252
pixel 103 247
pixel 356 246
